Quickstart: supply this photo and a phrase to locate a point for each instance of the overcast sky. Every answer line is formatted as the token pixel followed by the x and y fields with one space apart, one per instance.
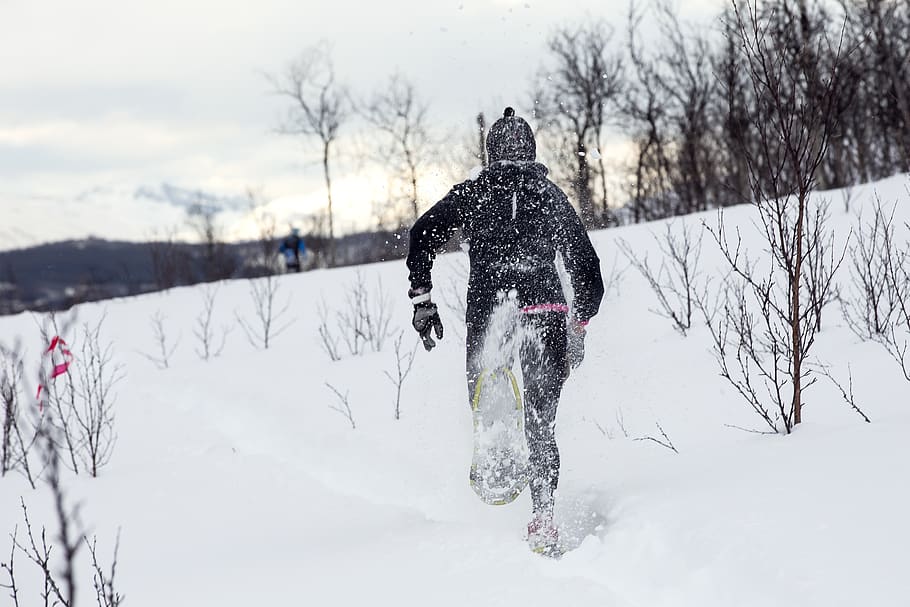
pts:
pixel 117 94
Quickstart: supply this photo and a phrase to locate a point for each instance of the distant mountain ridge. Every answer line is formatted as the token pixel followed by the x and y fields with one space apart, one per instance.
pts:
pixel 58 275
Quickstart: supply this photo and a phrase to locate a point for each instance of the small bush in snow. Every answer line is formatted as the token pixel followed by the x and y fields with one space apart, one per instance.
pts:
pixel 362 324
pixel 269 319
pixel 404 360
pixel 674 282
pixel 210 344
pixel 165 349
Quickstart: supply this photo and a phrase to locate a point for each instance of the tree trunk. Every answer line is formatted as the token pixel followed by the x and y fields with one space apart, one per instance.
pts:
pixel 328 188
pixel 605 208
pixel 583 185
pixel 481 148
pixel 412 169
pixel 797 345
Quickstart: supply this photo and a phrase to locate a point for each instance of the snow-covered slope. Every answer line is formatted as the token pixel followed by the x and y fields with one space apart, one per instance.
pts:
pixel 235 483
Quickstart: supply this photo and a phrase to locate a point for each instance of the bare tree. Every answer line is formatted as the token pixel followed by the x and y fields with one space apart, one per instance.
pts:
pixel 481 141
pixel 318 108
pixel 269 317
pixel 211 344
pixel 879 131
pixel 217 261
pixel 575 97
pixel 770 309
pixel 170 261
pixel 266 236
pixel 403 363
pixel 397 111
pixel 646 109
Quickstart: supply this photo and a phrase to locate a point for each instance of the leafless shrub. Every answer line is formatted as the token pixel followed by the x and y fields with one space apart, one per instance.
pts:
pixel 897 340
pixel 331 344
pixel 210 345
pixel 269 320
pixel 454 296
pixel 344 406
pixel 362 324
pixel 106 594
pixel 664 441
pixel 166 349
pixel 876 307
pixel 13 447
pixel 39 553
pixel 846 392
pixel 58 575
pixel 56 558
pixel 94 413
pixel 60 394
pixel 821 288
pixel 674 282
pixel 613 279
pixel 80 402
pixel 869 312
pixel 403 363
pixel 10 570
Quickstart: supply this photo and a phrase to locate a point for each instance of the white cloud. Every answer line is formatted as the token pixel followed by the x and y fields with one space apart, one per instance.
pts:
pixel 132 92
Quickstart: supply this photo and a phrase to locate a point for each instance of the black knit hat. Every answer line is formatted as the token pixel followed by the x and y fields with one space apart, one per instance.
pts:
pixel 511 138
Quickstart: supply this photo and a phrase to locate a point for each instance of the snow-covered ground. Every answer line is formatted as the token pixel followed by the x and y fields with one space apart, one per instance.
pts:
pixel 235 483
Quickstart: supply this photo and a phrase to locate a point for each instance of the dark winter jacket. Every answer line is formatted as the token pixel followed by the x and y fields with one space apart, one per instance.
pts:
pixel 515 220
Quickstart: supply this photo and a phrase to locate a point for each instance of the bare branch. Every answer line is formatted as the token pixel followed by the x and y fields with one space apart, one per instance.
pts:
pixel 344 408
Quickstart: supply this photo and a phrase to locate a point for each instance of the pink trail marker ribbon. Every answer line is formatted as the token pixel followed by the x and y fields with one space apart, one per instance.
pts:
pixel 58 368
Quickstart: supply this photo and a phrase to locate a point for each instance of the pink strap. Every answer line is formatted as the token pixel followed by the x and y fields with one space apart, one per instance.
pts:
pixel 545 307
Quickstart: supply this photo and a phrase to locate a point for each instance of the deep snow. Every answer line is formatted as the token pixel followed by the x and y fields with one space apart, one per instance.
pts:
pixel 235 483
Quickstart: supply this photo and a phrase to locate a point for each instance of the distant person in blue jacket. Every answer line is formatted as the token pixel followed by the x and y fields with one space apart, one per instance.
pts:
pixel 293 249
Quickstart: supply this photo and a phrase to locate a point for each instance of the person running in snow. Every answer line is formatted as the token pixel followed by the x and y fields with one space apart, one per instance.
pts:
pixel 516 221
pixel 293 249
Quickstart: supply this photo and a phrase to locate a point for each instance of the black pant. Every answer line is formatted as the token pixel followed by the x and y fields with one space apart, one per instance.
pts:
pixel 544 367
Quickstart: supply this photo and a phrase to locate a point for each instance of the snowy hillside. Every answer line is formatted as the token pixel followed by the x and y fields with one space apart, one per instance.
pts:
pixel 236 483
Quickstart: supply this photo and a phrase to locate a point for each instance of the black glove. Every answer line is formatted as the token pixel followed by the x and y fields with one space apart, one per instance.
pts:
pixel 576 343
pixel 426 321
